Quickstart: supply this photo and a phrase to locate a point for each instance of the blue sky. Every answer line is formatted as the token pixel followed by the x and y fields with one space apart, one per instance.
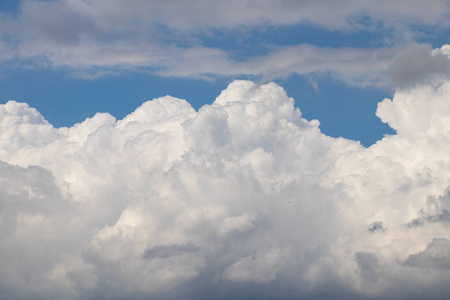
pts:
pixel 63 100
pixel 67 92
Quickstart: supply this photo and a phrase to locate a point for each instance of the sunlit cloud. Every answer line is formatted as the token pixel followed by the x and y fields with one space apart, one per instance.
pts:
pixel 242 193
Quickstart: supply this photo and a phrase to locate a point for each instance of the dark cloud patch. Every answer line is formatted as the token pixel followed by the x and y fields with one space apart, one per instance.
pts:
pixel 416 223
pixel 435 256
pixel 368 265
pixel 376 226
pixel 443 217
pixel 164 251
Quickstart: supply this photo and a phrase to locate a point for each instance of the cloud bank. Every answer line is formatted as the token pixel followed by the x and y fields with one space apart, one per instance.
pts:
pixel 243 197
pixel 170 39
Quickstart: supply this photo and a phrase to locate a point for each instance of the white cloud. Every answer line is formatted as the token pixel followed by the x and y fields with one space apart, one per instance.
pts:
pixel 243 196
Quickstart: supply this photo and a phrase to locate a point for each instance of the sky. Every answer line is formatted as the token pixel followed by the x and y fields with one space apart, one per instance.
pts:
pixel 224 149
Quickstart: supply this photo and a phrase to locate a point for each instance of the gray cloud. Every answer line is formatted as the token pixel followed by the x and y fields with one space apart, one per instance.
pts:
pixel 168 250
pixel 376 226
pixel 361 67
pixel 435 256
pixel 418 64
pixel 443 217
pixel 368 265
pixel 436 210
pixel 97 38
pixel 183 15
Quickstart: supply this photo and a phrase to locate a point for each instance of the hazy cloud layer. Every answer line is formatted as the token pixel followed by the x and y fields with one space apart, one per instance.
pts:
pixel 242 197
pixel 167 38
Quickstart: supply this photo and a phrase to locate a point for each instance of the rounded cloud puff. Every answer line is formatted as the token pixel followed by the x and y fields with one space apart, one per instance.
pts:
pixel 243 197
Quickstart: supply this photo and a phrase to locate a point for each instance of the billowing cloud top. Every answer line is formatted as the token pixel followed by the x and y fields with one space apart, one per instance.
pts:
pixel 242 197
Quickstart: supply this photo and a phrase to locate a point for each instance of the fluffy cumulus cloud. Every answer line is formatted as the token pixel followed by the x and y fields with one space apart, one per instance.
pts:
pixel 243 197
